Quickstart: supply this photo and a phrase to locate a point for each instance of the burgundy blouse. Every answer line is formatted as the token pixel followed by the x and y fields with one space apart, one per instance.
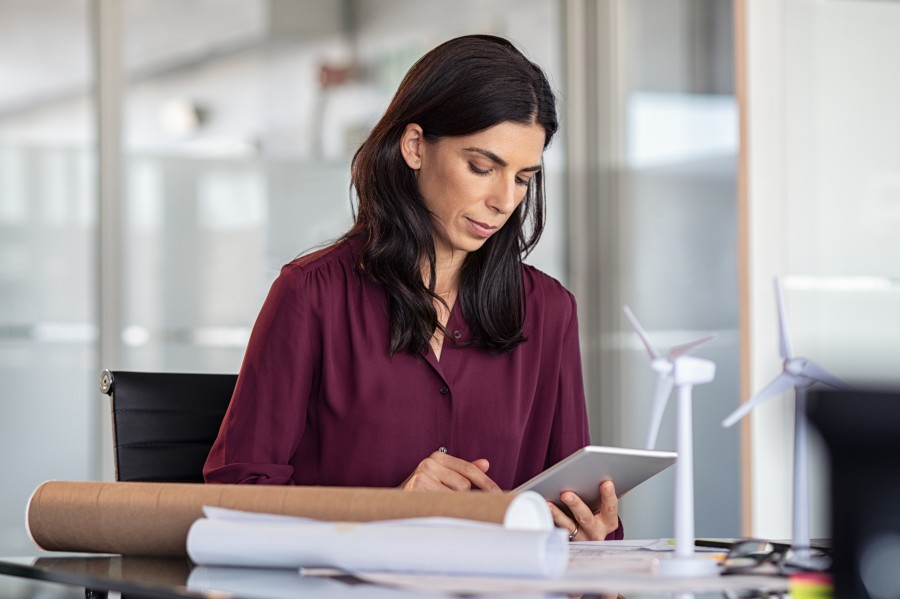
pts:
pixel 320 401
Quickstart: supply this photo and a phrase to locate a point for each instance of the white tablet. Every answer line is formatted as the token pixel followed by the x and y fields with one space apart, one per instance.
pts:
pixel 583 471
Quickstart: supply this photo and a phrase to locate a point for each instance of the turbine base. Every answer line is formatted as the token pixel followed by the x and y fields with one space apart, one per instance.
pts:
pixel 694 566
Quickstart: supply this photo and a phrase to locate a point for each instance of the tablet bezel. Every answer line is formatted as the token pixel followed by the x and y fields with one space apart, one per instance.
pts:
pixel 583 471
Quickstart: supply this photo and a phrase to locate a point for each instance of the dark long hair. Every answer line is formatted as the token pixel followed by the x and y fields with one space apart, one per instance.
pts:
pixel 461 87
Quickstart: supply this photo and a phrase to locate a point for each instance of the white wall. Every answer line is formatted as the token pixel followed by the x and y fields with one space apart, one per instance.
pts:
pixel 824 204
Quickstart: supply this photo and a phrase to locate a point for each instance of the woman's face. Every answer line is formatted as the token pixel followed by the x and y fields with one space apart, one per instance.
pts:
pixel 473 183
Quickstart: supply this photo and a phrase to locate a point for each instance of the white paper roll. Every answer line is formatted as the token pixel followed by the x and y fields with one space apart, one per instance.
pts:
pixel 432 545
pixel 528 511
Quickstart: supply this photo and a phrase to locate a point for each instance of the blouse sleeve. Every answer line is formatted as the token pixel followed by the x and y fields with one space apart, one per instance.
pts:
pixel 267 414
pixel 570 430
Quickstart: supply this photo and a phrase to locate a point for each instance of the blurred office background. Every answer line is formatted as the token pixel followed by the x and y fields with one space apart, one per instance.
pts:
pixel 161 159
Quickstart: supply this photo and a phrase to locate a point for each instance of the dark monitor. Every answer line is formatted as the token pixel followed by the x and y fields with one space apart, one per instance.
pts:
pixel 861 430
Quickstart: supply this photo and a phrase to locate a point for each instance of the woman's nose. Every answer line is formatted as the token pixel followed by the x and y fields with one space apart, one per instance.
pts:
pixel 504 196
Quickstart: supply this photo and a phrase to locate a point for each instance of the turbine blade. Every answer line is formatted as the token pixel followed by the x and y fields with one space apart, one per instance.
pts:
pixel 640 331
pixel 782 383
pixel 814 371
pixel 663 390
pixel 680 350
pixel 784 336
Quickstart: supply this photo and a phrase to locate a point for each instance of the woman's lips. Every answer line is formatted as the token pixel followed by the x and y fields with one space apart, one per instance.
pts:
pixel 481 229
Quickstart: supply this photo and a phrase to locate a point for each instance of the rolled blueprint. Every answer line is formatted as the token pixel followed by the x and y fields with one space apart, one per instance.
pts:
pixel 413 545
pixel 153 519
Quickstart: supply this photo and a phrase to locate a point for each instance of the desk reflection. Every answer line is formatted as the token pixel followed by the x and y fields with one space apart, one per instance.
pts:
pixel 152 570
pixel 178 577
pixel 285 584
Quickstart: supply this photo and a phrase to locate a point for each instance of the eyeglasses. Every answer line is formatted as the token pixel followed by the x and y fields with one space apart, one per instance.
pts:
pixel 754 556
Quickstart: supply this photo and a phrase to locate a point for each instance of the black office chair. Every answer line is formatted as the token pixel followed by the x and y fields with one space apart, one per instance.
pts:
pixel 164 424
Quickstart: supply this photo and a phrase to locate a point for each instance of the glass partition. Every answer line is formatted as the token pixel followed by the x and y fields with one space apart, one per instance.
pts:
pixel 48 226
pixel 239 130
pixel 676 201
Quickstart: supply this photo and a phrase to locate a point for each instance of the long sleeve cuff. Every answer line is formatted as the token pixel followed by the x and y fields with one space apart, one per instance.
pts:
pixel 618 534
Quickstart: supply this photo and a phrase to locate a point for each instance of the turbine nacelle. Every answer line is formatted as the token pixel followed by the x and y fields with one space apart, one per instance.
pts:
pixel 693 371
pixel 663 366
pixel 676 368
pixel 794 366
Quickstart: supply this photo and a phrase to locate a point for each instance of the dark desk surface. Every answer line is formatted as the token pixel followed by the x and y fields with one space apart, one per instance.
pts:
pixel 171 578
pixel 164 578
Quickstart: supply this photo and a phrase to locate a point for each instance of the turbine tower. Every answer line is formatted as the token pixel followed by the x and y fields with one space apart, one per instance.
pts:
pixel 677 369
pixel 801 374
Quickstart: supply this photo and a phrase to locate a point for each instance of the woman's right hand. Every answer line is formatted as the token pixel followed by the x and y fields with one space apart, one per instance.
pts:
pixel 443 472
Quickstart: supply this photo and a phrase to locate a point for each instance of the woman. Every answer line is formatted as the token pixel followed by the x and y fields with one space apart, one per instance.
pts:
pixel 419 351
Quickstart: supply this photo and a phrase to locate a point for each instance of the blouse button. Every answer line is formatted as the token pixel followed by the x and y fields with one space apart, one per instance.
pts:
pixel 442 449
pixel 457 334
pixel 445 390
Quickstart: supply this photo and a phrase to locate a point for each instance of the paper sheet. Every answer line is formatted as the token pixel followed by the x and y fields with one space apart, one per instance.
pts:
pixel 434 545
pixel 624 584
pixel 604 567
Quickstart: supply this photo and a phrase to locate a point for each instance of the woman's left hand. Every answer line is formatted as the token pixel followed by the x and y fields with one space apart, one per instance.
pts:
pixel 587 524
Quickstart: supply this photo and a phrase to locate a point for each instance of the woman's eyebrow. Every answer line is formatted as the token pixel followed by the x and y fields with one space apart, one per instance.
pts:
pixel 491 156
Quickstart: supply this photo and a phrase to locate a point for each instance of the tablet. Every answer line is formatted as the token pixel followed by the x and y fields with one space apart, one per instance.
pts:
pixel 583 471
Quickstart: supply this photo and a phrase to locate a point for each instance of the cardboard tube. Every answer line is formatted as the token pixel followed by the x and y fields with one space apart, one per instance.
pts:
pixel 153 519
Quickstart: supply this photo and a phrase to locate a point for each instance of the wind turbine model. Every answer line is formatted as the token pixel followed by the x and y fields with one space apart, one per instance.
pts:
pixel 801 374
pixel 677 369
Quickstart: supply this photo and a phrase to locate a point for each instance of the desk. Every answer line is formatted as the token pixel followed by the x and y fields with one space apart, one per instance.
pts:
pixel 171 578
pixel 158 577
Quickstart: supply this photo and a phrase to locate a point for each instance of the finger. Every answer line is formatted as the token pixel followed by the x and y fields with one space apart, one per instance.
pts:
pixel 478 478
pixel 482 464
pixel 473 472
pixel 448 472
pixel 609 506
pixel 560 518
pixel 431 475
pixel 581 513
pixel 491 487
pixel 421 481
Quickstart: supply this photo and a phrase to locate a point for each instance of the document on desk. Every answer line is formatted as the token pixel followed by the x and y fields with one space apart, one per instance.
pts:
pixel 604 567
pixel 433 545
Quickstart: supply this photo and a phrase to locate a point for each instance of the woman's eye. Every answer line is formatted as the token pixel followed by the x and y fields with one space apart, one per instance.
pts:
pixel 477 170
pixel 521 181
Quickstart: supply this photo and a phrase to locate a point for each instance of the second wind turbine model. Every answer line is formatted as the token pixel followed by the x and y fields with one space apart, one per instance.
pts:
pixel 677 369
pixel 801 374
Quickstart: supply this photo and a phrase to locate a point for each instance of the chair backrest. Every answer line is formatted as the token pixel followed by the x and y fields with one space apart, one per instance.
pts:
pixel 165 423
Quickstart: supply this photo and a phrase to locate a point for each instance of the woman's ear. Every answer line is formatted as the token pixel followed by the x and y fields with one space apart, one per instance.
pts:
pixel 411 146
